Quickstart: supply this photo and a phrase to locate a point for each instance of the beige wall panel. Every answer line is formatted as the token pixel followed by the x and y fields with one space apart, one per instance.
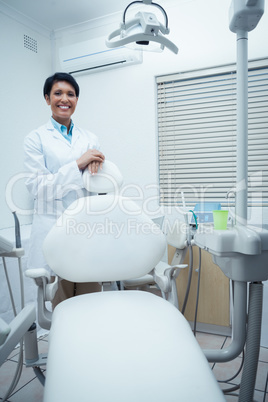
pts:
pixel 214 296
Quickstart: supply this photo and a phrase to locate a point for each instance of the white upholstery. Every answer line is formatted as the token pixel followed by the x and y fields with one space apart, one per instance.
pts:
pixel 125 346
pixel 107 180
pixel 90 242
pixel 117 346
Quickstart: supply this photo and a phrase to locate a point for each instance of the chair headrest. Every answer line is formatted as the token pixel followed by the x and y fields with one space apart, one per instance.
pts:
pixel 107 180
pixel 103 238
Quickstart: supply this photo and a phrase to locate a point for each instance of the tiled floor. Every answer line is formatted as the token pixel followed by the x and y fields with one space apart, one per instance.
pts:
pixel 29 389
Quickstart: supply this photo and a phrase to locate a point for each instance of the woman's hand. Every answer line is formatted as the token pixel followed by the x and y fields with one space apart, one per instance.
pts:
pixel 93 167
pixel 92 159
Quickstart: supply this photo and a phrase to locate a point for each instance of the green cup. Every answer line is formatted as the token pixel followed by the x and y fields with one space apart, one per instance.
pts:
pixel 220 219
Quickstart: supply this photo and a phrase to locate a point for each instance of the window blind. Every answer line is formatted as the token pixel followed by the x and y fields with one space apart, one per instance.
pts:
pixel 197 135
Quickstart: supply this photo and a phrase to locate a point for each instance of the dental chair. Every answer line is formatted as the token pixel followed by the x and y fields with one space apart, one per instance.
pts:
pixel 164 275
pixel 117 345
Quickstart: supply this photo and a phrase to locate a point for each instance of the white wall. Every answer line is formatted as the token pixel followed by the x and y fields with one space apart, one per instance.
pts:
pixel 120 105
pixel 22 105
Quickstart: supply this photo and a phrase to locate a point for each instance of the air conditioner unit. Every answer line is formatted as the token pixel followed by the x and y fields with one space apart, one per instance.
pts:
pixel 93 55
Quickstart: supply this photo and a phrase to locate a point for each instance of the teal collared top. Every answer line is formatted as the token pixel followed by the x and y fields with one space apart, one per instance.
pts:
pixel 63 129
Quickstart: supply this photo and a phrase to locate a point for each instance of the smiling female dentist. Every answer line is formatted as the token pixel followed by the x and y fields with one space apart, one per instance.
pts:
pixel 56 154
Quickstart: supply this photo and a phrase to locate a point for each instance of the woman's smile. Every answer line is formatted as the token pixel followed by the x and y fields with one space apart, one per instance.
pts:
pixel 63 101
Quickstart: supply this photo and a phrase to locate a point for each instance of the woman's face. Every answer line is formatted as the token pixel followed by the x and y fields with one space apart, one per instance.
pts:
pixel 63 101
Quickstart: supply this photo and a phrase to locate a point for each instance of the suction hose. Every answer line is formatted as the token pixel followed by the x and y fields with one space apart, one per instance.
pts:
pixel 189 279
pixel 252 342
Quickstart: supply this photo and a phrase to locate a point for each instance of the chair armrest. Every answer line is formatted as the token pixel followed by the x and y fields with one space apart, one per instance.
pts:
pixel 46 292
pixel 164 273
pixel 175 270
pixel 40 275
pixel 42 279
pixel 51 289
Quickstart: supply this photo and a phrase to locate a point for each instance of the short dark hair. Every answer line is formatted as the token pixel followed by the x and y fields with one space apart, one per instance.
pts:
pixel 50 81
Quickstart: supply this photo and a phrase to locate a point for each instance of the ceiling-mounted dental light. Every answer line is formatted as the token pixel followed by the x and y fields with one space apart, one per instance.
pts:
pixel 142 32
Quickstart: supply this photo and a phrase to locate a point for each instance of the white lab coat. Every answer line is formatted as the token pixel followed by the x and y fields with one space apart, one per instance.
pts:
pixel 53 179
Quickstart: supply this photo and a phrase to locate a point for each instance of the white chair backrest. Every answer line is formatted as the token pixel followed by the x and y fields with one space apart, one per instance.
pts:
pixel 107 180
pixel 103 238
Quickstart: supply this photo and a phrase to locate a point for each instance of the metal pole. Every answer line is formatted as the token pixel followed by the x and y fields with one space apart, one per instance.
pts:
pixel 242 128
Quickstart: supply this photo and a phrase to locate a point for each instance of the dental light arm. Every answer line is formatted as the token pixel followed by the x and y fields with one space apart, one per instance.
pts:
pixel 148 2
pixel 142 30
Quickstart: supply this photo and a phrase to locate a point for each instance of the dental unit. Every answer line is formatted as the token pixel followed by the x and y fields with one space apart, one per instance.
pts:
pixel 241 251
pixel 116 344
pixel 133 345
